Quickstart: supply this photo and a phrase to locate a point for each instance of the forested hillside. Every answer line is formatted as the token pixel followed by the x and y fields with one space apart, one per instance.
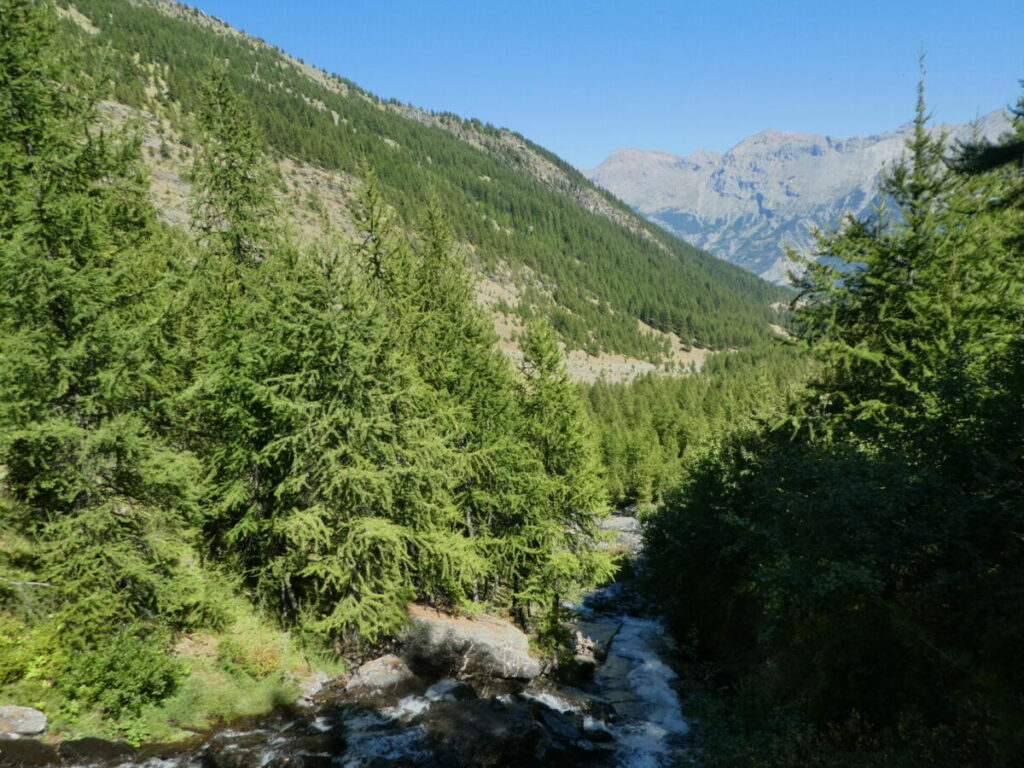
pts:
pixel 651 430
pixel 849 573
pixel 596 267
pixel 225 453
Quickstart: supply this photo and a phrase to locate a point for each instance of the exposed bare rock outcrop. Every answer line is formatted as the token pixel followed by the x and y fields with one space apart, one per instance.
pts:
pixel 770 190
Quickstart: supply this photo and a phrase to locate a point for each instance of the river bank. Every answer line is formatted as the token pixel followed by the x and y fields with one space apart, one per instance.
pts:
pixel 622 708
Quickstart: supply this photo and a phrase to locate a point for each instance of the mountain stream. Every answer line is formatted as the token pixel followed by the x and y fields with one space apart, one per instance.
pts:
pixel 624 712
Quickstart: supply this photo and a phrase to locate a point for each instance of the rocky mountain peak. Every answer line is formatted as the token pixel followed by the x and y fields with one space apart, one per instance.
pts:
pixel 770 190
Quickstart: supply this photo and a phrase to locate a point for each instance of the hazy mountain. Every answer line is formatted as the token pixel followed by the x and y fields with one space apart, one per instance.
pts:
pixel 769 190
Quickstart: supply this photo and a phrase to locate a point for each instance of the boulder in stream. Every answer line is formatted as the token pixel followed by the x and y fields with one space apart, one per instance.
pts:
pixel 441 645
pixel 387 674
pixel 485 732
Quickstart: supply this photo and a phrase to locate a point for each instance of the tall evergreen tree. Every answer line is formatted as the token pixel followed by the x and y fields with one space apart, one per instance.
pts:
pixel 329 456
pixel 234 209
pixel 497 471
pixel 565 507
pixel 231 299
pixel 876 317
pixel 76 374
pixel 862 570
pixel 365 514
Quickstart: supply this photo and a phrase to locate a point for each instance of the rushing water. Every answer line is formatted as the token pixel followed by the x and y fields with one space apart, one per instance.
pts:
pixel 649 728
pixel 629 709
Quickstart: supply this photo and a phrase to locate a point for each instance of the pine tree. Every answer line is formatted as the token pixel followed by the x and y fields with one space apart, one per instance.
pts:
pixel 77 374
pixel 234 210
pixel 231 298
pixel 496 471
pixel 882 527
pixel 564 508
pixel 365 520
pixel 381 251
pixel 330 458
pixel 877 318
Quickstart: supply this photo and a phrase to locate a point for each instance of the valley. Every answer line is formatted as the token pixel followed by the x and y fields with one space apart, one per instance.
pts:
pixel 340 433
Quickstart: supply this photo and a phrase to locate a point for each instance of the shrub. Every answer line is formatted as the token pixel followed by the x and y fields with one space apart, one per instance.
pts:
pixel 122 673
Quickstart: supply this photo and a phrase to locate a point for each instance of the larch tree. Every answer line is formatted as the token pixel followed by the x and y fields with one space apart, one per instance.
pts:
pixel 329 457
pixel 566 505
pixel 77 370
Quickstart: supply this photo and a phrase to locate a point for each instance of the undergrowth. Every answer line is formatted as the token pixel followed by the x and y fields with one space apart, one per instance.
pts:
pixel 139 682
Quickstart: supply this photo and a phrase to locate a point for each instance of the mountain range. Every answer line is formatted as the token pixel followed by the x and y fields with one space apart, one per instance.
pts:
pixel 769 191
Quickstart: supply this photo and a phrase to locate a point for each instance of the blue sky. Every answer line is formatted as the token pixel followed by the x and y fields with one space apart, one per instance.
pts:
pixel 585 77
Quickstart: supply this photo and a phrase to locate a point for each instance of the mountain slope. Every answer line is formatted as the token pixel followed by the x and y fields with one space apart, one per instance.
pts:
pixel 770 190
pixel 577 254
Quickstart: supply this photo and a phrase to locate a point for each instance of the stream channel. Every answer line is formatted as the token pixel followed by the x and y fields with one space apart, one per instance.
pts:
pixel 626 712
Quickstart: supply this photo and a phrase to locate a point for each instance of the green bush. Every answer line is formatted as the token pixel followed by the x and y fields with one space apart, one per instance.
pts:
pixel 122 673
pixel 14 657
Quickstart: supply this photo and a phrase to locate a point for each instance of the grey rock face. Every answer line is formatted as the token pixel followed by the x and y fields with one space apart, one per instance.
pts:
pixel 22 721
pixel 600 634
pixel 463 648
pixel 387 673
pixel 769 191
pixel 312 684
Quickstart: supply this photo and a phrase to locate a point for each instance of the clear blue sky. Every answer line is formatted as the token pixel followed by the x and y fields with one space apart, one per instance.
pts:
pixel 585 77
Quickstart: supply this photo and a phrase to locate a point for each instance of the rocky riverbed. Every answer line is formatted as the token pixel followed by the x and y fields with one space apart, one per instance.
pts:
pixel 462 692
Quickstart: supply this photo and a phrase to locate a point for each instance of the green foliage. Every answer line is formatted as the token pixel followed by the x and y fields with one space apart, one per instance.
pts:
pixel 79 379
pixel 237 655
pixel 651 429
pixel 200 431
pixel 329 486
pixel 856 569
pixel 122 673
pixel 23 648
pixel 233 208
pixel 73 254
pixel 348 478
pixel 560 528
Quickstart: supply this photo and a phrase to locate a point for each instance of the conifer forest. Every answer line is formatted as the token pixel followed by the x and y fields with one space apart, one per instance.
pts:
pixel 232 449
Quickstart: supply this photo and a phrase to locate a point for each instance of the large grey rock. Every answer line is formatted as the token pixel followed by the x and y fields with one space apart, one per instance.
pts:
pixel 770 190
pixel 485 646
pixel 385 674
pixel 312 684
pixel 590 643
pixel 557 724
pixel 599 633
pixel 23 721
